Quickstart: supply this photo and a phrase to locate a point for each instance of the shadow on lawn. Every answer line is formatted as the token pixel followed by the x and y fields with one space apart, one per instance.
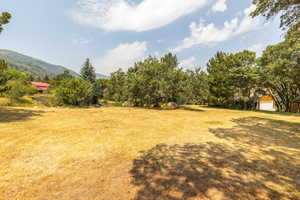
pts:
pixel 246 170
pixel 261 132
pixel 17 114
pixel 191 109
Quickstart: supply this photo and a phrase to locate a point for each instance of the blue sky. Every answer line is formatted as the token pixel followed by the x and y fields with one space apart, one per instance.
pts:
pixel 116 33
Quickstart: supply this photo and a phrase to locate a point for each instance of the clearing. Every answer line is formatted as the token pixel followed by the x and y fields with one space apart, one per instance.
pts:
pixel 129 153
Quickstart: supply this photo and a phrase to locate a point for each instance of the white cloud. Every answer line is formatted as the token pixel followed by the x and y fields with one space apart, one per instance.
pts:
pixel 258 48
pixel 219 6
pixel 210 34
pixel 248 23
pixel 188 63
pixel 81 41
pixel 115 15
pixel 123 56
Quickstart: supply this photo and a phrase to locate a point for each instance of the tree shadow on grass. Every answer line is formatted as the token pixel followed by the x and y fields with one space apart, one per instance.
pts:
pixel 241 168
pixel 187 108
pixel 262 132
pixel 17 114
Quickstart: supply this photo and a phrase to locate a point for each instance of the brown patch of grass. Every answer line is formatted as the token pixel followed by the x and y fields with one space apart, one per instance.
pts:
pixel 214 122
pixel 127 153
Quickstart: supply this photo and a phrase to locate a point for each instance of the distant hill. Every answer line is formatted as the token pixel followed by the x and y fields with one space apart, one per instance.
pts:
pixel 101 76
pixel 31 65
pixel 35 66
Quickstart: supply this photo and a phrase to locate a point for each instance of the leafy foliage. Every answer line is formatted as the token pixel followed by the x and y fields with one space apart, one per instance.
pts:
pixel 17 89
pixel 232 79
pixel 3 75
pixel 75 91
pixel 154 82
pixel 281 69
pixel 88 73
pixel 4 19
pixel 288 9
pixel 13 84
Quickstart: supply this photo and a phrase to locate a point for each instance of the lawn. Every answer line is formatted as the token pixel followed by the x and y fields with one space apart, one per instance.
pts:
pixel 141 154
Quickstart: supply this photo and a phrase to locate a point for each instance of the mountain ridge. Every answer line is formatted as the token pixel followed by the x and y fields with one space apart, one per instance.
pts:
pixel 33 65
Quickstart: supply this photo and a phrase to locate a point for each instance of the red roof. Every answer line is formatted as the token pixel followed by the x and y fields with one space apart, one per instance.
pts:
pixel 40 84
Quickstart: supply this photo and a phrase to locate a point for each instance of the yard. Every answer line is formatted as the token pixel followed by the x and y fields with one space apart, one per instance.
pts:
pixel 141 154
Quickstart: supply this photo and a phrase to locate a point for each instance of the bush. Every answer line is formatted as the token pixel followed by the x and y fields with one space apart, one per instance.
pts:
pixel 77 92
pixel 16 89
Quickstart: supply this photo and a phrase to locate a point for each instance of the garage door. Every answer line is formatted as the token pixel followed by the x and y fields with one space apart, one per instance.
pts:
pixel 268 106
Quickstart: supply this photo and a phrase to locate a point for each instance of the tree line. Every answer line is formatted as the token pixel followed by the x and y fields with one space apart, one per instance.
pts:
pixel 230 80
pixel 236 80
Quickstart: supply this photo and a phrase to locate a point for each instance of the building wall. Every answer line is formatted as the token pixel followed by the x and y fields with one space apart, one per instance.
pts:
pixel 266 103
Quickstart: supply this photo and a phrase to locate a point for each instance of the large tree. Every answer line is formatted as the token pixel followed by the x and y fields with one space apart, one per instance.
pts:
pixel 292 39
pixel 153 82
pixel 288 9
pixel 88 73
pixel 232 79
pixel 4 19
pixel 116 87
pixel 221 88
pixel 3 75
pixel 280 68
pixel 77 91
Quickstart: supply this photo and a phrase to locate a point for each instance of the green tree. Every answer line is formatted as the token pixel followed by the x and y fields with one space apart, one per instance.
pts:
pixel 78 92
pixel 64 76
pixel 146 85
pixel 232 79
pixel 88 73
pixel 196 88
pixel 58 79
pixel 104 88
pixel 16 89
pixel 11 81
pixel 153 82
pixel 292 39
pixel 288 9
pixel 117 90
pixel 4 19
pixel 3 75
pixel 244 75
pixel 221 88
pixel 280 70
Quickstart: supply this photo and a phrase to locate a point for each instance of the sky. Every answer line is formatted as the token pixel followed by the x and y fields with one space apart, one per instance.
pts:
pixel 116 33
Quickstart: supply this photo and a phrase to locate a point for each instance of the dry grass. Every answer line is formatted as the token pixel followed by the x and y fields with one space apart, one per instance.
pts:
pixel 127 153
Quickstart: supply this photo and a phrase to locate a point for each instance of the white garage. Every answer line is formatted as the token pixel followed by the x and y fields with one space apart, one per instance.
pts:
pixel 267 103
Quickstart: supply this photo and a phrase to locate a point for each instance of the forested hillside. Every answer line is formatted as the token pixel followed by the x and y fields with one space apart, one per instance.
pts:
pixel 31 65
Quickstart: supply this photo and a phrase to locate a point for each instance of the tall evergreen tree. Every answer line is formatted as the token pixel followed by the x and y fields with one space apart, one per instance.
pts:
pixel 88 73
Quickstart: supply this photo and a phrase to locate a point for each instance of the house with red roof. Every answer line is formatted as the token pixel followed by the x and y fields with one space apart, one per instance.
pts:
pixel 40 86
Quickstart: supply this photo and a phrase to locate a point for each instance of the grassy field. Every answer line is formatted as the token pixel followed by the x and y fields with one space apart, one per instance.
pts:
pixel 128 153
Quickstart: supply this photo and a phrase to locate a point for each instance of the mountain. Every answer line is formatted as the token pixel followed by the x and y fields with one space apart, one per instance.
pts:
pixel 101 76
pixel 31 65
pixel 35 66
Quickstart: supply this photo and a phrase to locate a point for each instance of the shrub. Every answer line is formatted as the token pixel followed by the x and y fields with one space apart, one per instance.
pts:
pixel 77 92
pixel 16 89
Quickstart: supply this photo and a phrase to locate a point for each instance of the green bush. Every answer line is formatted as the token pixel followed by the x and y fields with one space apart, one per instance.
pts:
pixel 77 92
pixel 16 89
